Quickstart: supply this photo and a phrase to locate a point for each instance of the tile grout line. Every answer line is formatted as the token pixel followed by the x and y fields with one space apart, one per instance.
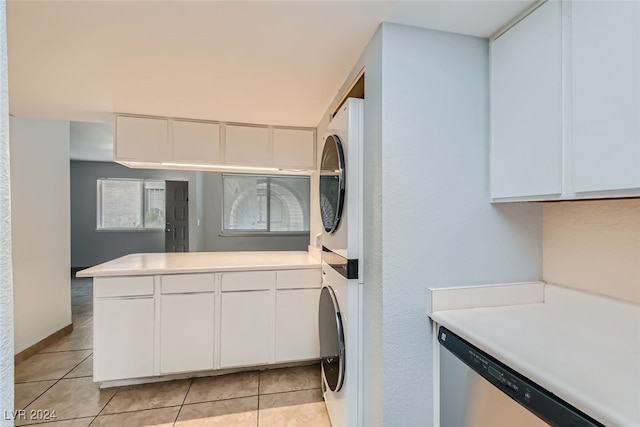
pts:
pixel 81 362
pixel 63 351
pixel 183 400
pixel 52 385
pixel 40 395
pixel 56 381
pixel 124 412
pixel 290 391
pixel 105 405
pixel 258 408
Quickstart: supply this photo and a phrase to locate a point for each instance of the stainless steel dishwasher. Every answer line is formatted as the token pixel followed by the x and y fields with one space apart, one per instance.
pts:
pixel 476 390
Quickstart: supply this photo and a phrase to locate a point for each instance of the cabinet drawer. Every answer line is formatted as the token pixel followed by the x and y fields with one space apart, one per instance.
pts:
pixel 298 279
pixel 185 283
pixel 122 286
pixel 248 281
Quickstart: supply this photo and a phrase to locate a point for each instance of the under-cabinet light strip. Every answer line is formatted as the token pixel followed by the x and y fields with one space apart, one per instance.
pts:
pixel 206 166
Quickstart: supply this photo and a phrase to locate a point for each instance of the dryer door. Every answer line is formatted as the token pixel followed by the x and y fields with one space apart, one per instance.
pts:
pixel 332 183
pixel 331 339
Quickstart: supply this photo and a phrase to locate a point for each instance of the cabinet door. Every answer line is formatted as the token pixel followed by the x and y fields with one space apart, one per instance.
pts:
pixel 123 338
pixel 247 146
pixel 605 40
pixel 186 332
pixel 195 142
pixel 297 324
pixel 293 148
pixel 141 139
pixel 526 107
pixel 246 325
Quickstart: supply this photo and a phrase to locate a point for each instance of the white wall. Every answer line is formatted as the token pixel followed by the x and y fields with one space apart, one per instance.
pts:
pixel 6 291
pixel 594 246
pixel 427 217
pixel 41 228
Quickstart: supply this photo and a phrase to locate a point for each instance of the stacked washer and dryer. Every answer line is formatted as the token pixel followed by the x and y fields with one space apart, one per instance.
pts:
pixel 340 306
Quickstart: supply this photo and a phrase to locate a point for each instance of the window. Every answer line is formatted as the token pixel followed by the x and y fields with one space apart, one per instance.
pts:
pixel 265 204
pixel 130 204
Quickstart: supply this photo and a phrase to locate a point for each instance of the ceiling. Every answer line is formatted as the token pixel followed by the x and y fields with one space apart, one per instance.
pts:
pixel 266 62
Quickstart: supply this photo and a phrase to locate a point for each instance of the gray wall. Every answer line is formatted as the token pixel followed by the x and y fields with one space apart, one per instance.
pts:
pixel 90 247
pixel 427 219
pixel 213 241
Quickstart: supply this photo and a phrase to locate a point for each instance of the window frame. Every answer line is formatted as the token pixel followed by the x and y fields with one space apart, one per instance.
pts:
pixel 258 233
pixel 143 206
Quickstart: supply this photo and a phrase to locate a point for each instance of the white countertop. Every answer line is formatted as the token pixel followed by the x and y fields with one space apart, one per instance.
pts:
pixel 581 347
pixel 199 262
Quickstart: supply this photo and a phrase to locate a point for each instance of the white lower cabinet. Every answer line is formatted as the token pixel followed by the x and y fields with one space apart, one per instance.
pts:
pixel 246 323
pixel 297 324
pixel 176 323
pixel 186 332
pixel 123 338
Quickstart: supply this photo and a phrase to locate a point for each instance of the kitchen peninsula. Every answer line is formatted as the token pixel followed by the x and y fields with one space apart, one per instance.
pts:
pixel 161 314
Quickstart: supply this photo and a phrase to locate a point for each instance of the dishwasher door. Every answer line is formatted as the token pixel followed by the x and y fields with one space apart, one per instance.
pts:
pixel 477 390
pixel 468 400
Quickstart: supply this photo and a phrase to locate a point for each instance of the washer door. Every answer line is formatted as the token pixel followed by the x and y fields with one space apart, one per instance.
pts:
pixel 331 339
pixel 332 183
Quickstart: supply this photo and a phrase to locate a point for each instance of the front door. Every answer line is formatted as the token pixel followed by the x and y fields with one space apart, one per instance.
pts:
pixel 176 236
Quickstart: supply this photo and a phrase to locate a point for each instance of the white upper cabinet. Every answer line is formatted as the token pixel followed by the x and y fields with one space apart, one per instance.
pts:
pixel 294 148
pixel 141 139
pixel 196 142
pixel 565 103
pixel 150 142
pixel 526 101
pixel 247 146
pixel 606 95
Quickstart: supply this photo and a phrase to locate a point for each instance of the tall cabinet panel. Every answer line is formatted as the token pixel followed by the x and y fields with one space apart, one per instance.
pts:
pixel 297 324
pixel 246 318
pixel 606 94
pixel 186 332
pixel 246 328
pixel 526 101
pixel 123 338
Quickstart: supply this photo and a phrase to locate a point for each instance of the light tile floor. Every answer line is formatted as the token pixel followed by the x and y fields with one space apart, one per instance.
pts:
pixel 60 379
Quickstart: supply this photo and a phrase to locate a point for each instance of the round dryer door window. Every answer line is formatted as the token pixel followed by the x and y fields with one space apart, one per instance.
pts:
pixel 332 177
pixel 332 349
